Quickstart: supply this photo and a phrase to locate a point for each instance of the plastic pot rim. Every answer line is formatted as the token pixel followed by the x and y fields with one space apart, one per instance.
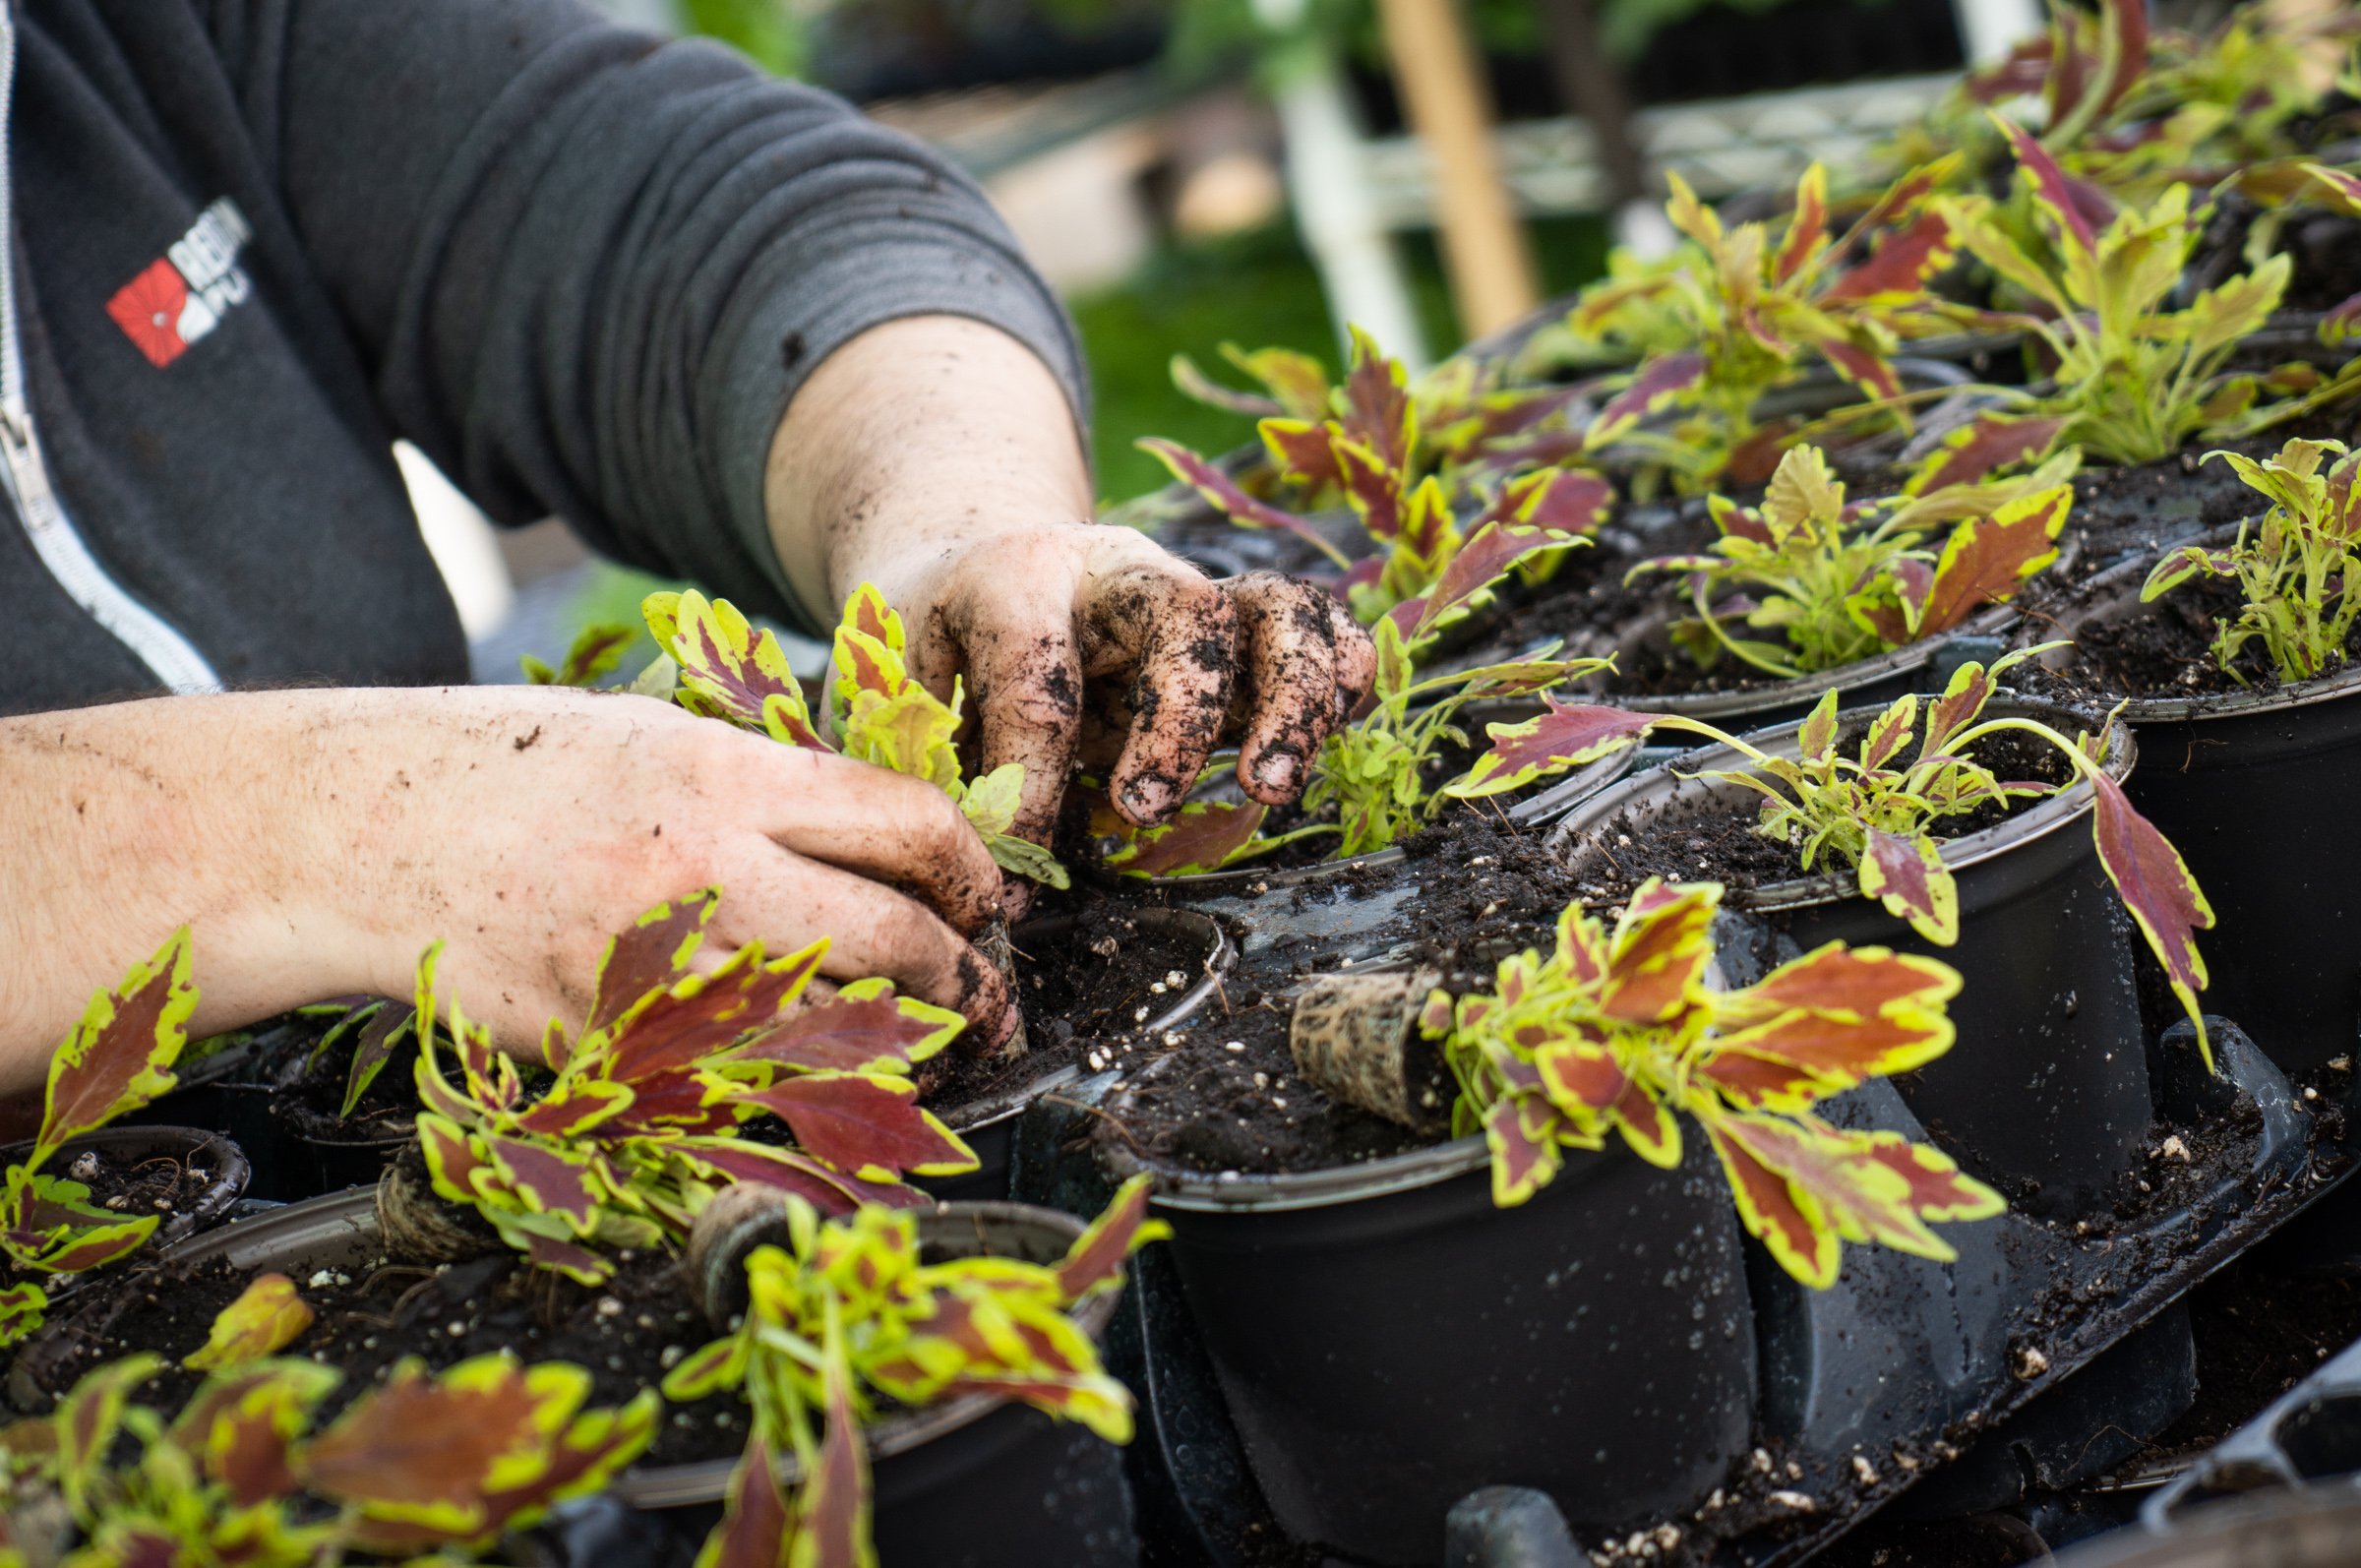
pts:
pixel 2100 604
pixel 2047 816
pixel 233 1169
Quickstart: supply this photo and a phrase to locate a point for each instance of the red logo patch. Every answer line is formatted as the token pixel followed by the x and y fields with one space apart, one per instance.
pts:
pixel 181 297
pixel 149 310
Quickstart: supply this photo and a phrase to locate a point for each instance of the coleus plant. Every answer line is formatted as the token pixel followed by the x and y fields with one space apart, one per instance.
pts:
pixel 2298 568
pixel 1618 1031
pixel 1874 809
pixel 2129 108
pixel 1736 314
pixel 1452 510
pixel 1367 784
pixel 245 1475
pixel 595 651
pixel 848 1312
pixel 1835 582
pixel 2133 380
pixel 638 1123
pixel 118 1058
pixel 875 710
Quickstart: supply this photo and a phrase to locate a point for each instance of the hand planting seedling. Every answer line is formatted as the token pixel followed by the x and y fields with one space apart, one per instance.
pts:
pixel 1365 441
pixel 1837 584
pixel 421 1467
pixel 1735 316
pixel 877 711
pixel 1874 812
pixel 847 1313
pixel 118 1060
pixel 2296 569
pixel 1368 786
pixel 1618 1031
pixel 2133 380
pixel 638 1128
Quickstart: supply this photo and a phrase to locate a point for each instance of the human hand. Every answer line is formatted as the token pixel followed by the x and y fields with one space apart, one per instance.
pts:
pixel 938 458
pixel 1090 645
pixel 318 841
pixel 527 825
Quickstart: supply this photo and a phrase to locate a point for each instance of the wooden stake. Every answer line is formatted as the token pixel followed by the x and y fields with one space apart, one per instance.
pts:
pixel 1485 251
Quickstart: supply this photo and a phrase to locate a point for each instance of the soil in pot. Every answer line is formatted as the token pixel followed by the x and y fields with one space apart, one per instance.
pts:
pixel 2245 781
pixel 2045 1093
pixel 311 1097
pixel 1094 981
pixel 370 1319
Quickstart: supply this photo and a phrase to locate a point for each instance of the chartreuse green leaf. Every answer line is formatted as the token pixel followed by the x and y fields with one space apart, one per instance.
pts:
pixel 877 711
pixel 266 1317
pixel 2296 567
pixel 636 1127
pixel 849 1310
pixel 1614 1031
pixel 1875 810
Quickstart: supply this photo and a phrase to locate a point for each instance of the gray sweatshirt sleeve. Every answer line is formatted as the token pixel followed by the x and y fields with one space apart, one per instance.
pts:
pixel 588 270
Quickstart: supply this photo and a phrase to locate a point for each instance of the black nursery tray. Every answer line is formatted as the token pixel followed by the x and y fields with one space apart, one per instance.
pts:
pixel 1869 1387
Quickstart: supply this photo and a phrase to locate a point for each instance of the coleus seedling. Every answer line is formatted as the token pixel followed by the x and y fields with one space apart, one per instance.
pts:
pixel 1617 1032
pixel 596 650
pixel 1369 785
pixel 1737 314
pixel 639 1124
pixel 445 1463
pixel 1445 533
pixel 2133 380
pixel 1874 809
pixel 877 711
pixel 2298 568
pixel 1835 582
pixel 847 1312
pixel 2129 108
pixel 117 1060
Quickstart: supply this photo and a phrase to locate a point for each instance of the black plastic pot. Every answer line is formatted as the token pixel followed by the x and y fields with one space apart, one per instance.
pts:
pixel 2258 790
pixel 1387 1341
pixel 989 1124
pixel 975 1481
pixel 131 1145
pixel 2047 1091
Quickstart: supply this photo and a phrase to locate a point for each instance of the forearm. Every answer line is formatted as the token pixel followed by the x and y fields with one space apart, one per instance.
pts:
pixel 913 438
pixel 124 822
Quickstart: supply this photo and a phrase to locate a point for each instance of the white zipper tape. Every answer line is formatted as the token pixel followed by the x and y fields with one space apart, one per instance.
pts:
pixel 61 547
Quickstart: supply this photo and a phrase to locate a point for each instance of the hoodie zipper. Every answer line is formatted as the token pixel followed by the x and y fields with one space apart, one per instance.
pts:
pixel 174 660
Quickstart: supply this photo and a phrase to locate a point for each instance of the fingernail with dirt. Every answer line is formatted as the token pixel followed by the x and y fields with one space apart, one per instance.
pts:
pixel 1278 769
pixel 1148 797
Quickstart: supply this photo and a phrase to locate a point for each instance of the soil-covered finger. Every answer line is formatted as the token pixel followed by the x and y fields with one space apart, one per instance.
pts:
pixel 901 831
pixel 872 930
pixel 1025 686
pixel 1288 682
pixel 1183 634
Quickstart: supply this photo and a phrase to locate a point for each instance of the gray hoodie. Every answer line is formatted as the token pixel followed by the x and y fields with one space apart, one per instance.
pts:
pixel 255 240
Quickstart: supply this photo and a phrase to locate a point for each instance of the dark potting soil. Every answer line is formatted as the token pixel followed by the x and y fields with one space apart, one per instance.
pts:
pixel 1224 1095
pixel 311 1097
pixel 2165 650
pixel 625 1333
pixel 1097 981
pixel 161 1186
pixel 1717 840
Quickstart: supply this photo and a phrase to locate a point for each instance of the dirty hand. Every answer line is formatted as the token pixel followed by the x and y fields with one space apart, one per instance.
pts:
pixel 936 458
pixel 317 841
